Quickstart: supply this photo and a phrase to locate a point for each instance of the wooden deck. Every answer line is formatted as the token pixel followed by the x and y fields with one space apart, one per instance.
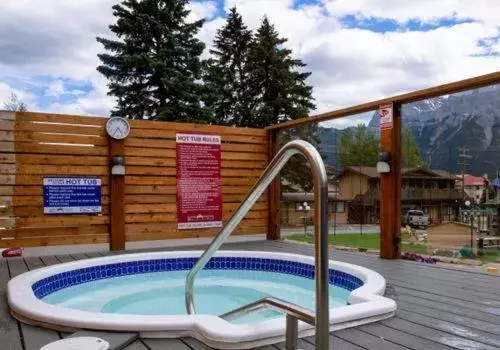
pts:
pixel 438 308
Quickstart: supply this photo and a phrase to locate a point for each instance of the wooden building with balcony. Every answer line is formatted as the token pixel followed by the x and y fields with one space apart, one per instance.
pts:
pixel 432 191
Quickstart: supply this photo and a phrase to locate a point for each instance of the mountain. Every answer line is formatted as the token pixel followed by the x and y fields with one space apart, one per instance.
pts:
pixel 443 126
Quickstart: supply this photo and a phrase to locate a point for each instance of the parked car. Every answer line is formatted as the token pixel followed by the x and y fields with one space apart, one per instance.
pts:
pixel 416 218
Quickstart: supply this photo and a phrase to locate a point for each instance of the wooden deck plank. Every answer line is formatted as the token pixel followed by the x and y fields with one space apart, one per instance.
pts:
pixel 336 343
pixel 302 345
pixel 137 345
pixel 437 308
pixel 33 337
pixel 64 258
pixel 471 313
pixel 94 254
pixel 435 335
pixel 34 262
pixel 443 299
pixel 79 256
pixel 453 328
pixel 117 341
pixel 50 260
pixel 195 344
pixel 36 337
pixel 163 344
pixel 364 339
pixel 9 331
pixel 405 339
pixel 451 317
pixel 17 266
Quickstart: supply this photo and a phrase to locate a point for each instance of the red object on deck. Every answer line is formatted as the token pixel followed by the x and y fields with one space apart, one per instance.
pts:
pixel 10 252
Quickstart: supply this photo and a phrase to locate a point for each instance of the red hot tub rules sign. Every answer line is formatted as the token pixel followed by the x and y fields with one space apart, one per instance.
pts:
pixel 199 203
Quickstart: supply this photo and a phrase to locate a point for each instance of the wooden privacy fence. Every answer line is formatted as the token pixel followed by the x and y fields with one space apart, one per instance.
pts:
pixel 34 145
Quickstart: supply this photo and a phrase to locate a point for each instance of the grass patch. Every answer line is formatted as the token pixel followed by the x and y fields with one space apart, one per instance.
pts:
pixel 367 241
pixel 489 256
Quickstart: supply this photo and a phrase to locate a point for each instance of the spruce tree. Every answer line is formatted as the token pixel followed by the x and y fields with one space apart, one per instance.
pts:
pixel 154 64
pixel 226 77
pixel 278 87
pixel 276 80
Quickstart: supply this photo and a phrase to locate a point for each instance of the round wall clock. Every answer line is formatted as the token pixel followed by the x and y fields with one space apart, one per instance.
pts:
pixel 117 128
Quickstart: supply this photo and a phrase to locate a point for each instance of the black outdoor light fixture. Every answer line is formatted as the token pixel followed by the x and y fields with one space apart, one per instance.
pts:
pixel 118 166
pixel 384 163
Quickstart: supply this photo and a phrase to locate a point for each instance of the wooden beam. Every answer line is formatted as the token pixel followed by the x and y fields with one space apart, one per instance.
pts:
pixel 274 219
pixel 390 190
pixel 450 88
pixel 117 196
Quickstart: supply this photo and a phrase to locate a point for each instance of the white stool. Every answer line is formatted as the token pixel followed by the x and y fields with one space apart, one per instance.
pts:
pixel 78 343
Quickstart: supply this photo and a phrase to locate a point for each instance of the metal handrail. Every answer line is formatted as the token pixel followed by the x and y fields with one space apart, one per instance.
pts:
pixel 320 229
pixel 291 309
pixel 293 314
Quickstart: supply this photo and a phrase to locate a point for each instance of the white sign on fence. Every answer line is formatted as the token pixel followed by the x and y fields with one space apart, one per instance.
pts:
pixel 386 116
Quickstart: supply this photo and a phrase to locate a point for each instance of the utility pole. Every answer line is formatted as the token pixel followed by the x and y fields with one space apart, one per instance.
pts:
pixel 464 157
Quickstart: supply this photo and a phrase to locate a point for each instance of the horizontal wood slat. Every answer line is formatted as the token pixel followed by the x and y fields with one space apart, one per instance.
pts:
pixel 172 217
pixel 53 169
pixel 54 231
pixel 170 153
pixel 31 211
pixel 172 189
pixel 40 137
pixel 195 128
pixel 70 129
pixel 60 118
pixel 52 241
pixel 40 159
pixel 173 233
pixel 237 164
pixel 145 228
pixel 170 134
pixel 59 220
pixel 31 180
pixel 172 207
pixel 23 201
pixel 34 145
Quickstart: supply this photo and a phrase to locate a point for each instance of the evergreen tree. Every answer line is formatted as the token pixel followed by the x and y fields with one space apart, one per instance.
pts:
pixel 358 146
pixel 410 152
pixel 279 93
pixel 154 65
pixel 226 77
pixel 276 80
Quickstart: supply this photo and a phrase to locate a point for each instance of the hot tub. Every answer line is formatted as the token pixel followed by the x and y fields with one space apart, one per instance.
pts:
pixel 145 292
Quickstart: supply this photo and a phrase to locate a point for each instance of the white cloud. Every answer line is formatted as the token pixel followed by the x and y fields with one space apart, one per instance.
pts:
pixel 428 11
pixel 352 65
pixel 349 65
pixel 55 89
pixel 6 91
pixel 202 9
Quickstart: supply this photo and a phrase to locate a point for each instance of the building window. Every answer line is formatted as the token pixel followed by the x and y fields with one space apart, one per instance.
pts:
pixel 338 207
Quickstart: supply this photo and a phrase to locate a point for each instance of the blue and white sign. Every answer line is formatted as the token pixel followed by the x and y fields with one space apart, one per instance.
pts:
pixel 71 195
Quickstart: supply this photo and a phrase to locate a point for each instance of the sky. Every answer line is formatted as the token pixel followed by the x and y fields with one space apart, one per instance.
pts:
pixel 357 50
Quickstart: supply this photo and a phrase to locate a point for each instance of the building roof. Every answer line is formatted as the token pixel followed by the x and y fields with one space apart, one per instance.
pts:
pixel 372 173
pixel 471 180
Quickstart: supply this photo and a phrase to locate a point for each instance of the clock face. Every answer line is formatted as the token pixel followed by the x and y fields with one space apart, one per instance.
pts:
pixel 117 128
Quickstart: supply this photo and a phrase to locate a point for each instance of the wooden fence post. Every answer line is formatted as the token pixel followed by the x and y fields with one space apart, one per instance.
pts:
pixel 274 220
pixel 390 190
pixel 117 199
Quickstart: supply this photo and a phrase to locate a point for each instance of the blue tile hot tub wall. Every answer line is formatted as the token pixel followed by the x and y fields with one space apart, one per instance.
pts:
pixel 62 280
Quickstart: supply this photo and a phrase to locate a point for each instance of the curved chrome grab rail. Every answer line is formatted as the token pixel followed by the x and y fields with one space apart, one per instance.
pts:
pixel 320 230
